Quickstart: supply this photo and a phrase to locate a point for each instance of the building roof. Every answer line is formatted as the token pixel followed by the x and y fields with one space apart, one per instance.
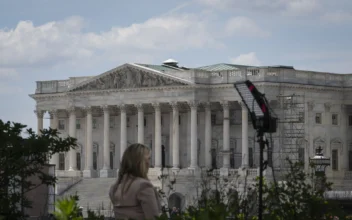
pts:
pixel 214 67
pixel 162 68
pixel 221 67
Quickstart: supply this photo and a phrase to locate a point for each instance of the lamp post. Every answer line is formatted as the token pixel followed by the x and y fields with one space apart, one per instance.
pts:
pixel 319 162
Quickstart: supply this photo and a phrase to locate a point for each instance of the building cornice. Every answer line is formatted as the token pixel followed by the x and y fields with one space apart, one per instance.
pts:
pixel 48 96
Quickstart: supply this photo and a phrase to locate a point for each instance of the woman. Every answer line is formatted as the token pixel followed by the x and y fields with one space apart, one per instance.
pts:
pixel 133 195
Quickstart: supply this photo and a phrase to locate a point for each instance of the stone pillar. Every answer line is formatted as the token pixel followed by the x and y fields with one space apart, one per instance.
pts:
pixel 40 115
pixel 140 123
pixel 157 145
pixel 226 135
pixel 245 149
pixel 194 134
pixel 106 171
pixel 72 133
pixel 53 125
pixel 208 135
pixel 88 171
pixel 123 134
pixel 175 136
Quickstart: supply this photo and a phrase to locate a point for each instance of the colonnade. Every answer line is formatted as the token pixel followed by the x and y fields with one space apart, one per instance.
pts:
pixel 175 129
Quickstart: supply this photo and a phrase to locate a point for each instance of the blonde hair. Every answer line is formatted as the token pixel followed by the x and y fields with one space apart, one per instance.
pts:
pixel 132 164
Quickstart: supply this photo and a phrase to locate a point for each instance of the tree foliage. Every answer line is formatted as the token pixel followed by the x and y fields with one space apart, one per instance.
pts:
pixel 22 158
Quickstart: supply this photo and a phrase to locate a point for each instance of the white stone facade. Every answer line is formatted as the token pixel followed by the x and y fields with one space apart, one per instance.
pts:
pixel 192 118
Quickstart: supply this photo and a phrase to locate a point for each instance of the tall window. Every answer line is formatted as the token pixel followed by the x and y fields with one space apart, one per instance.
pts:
pixel 232 157
pixel 95 123
pixel 61 124
pixel 213 158
pixel 179 119
pixel 334 160
pixel 350 160
pixel 232 117
pixel 350 120
pixel 318 119
pixel 213 119
pixel 61 161
pixel 250 157
pixel 334 119
pixel 128 121
pixel 163 156
pixel 301 155
pixel 78 123
pixel 301 117
pixel 95 167
pixel 78 159
pixel 111 160
pixel 145 121
pixel 112 122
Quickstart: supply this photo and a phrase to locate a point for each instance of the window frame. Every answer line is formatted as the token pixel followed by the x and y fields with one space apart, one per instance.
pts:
pixel 321 118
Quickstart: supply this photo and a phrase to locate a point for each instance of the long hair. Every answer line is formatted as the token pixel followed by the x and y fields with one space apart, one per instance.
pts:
pixel 133 165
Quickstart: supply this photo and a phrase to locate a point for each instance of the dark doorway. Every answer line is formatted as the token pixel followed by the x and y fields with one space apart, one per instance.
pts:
pixel 163 156
pixel 175 200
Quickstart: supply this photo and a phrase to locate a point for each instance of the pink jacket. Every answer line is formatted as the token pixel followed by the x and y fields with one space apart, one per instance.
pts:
pixel 139 202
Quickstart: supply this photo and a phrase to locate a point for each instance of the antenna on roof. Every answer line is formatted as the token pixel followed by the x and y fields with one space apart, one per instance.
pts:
pixel 171 62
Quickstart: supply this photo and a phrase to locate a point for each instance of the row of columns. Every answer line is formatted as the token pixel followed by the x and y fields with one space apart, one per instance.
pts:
pixel 157 144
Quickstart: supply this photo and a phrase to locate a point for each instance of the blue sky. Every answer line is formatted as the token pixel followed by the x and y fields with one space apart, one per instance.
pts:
pixel 44 40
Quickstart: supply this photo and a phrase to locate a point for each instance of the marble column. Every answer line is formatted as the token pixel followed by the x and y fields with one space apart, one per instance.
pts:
pixel 88 171
pixel 208 135
pixel 123 134
pixel 140 123
pixel 226 135
pixel 105 171
pixel 72 133
pixel 175 136
pixel 54 125
pixel 40 115
pixel 245 149
pixel 194 134
pixel 157 144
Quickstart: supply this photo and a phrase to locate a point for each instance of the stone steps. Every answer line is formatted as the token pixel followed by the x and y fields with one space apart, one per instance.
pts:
pixel 93 193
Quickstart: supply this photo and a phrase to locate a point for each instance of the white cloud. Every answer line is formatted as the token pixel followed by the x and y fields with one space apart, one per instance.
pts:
pixel 65 41
pixel 7 73
pixel 337 17
pixel 249 59
pixel 284 7
pixel 244 26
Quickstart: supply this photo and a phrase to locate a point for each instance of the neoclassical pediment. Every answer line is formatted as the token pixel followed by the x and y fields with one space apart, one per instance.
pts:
pixel 319 142
pixel 129 76
pixel 336 143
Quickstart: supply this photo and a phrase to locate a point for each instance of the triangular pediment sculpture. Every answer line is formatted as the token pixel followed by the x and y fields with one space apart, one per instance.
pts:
pixel 127 78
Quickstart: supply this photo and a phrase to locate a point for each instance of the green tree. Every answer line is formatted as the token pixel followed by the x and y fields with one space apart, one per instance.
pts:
pixel 24 157
pixel 298 197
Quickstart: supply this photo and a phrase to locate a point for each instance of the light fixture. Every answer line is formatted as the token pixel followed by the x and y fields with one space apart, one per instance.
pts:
pixel 319 161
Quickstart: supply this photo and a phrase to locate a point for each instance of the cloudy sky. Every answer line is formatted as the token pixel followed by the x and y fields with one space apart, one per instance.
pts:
pixel 46 40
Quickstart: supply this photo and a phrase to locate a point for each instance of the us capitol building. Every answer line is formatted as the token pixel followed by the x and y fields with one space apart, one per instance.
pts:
pixel 193 118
